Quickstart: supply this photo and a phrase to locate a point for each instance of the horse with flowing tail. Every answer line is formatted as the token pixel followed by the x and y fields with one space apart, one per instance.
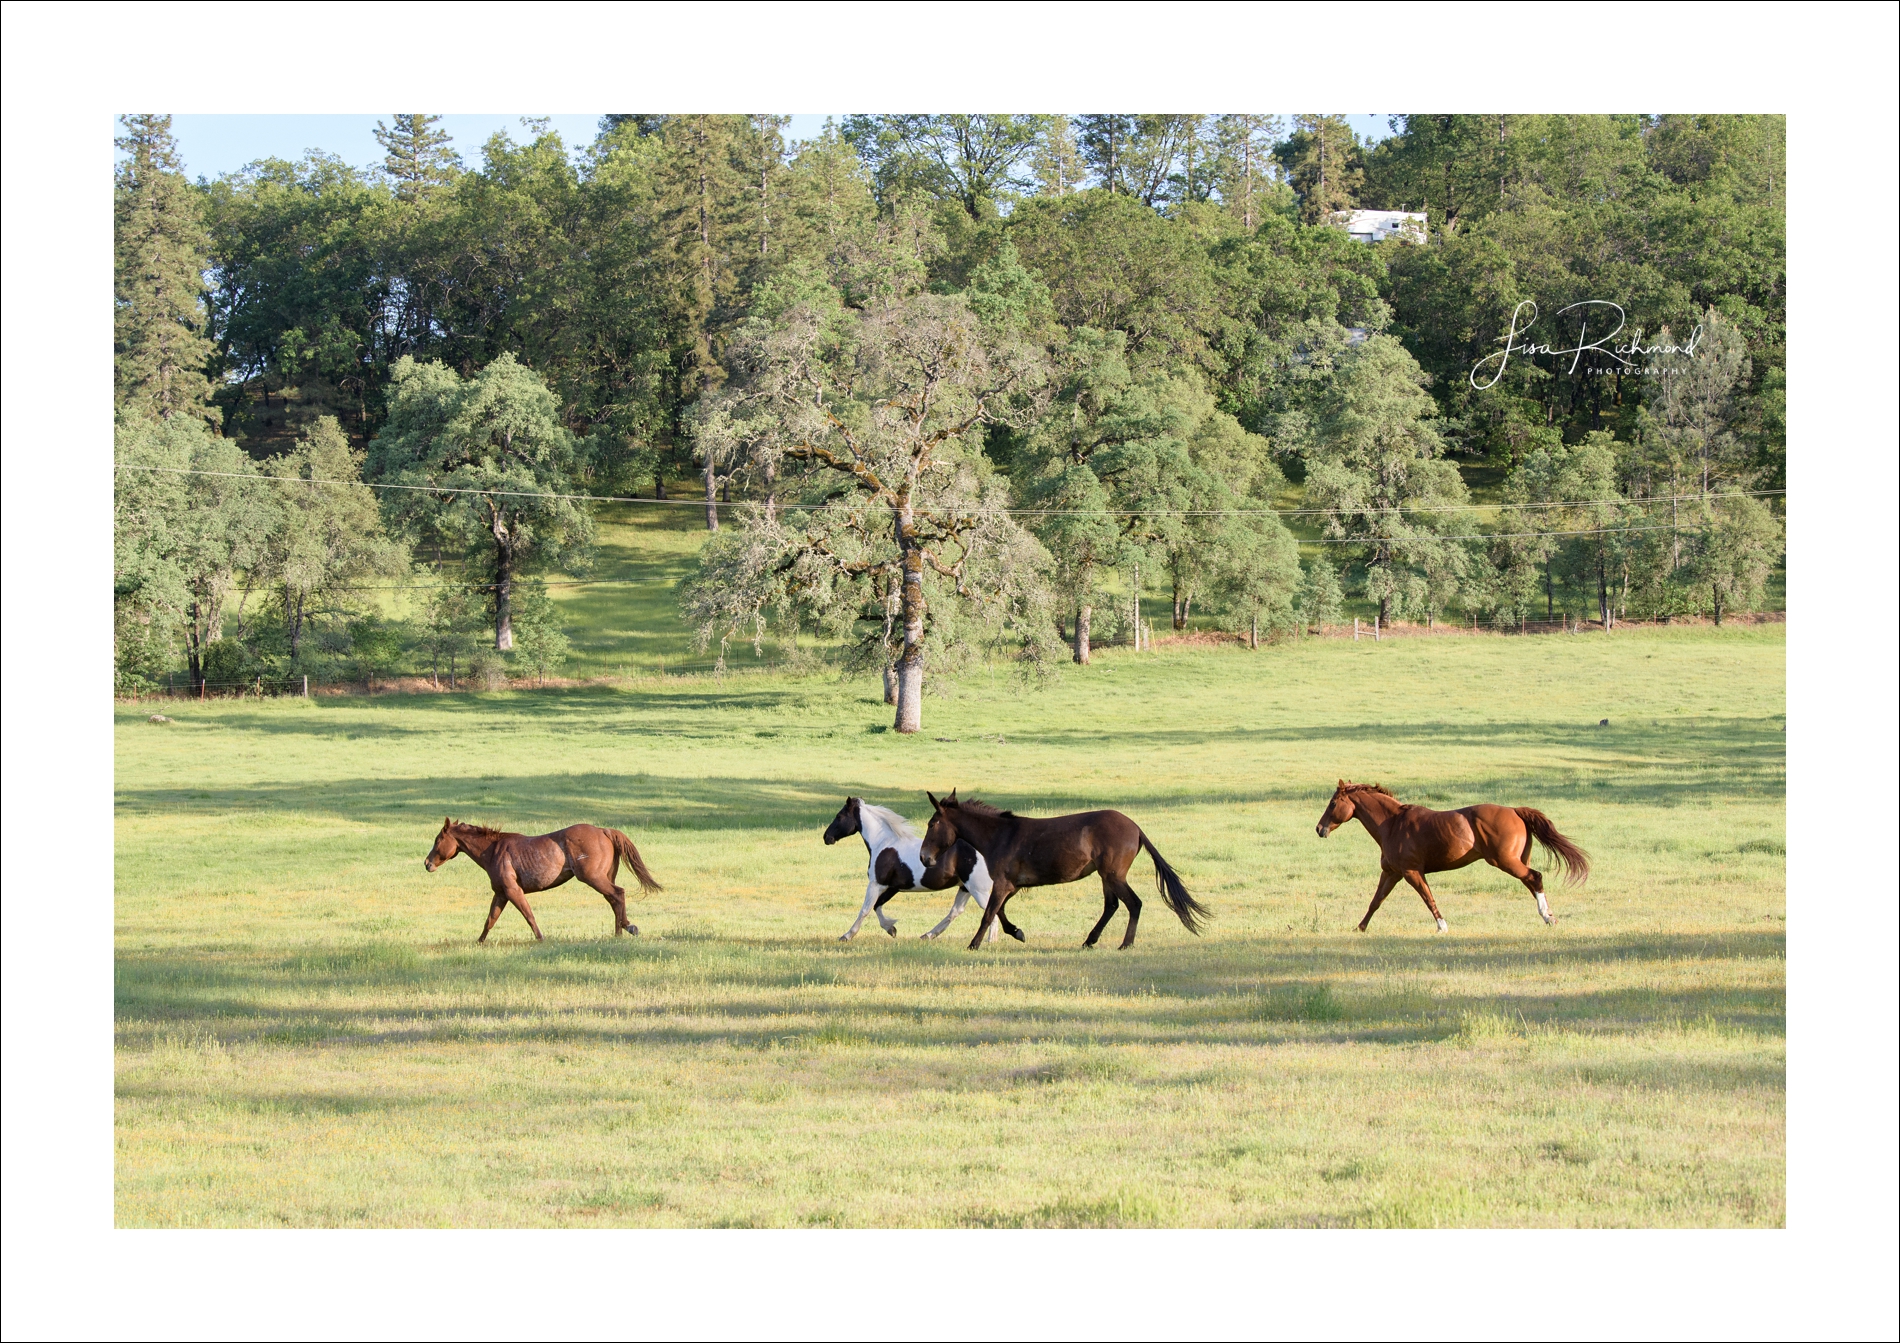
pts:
pixel 518 864
pixel 895 866
pixel 1414 840
pixel 1049 851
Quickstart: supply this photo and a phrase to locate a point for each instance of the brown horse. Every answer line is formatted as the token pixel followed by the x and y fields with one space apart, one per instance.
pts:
pixel 1415 840
pixel 517 864
pixel 1048 851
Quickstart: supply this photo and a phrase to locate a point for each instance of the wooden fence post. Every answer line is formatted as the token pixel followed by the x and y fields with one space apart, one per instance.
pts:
pixel 1355 629
pixel 306 685
pixel 1375 629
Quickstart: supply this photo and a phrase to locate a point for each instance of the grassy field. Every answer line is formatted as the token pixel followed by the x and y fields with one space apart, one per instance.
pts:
pixel 308 1036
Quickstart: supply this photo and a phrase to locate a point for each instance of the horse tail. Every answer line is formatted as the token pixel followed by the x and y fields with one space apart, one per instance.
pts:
pixel 1576 862
pixel 1191 912
pixel 624 847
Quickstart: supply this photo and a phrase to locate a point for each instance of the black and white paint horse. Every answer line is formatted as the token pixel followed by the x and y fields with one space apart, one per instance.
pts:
pixel 895 866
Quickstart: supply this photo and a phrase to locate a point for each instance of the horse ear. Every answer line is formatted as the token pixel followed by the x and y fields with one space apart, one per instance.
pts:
pixel 934 804
pixel 953 797
pixel 446 823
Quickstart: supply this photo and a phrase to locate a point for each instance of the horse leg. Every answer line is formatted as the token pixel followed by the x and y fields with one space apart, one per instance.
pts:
pixel 519 899
pixel 1110 900
pixel 871 893
pixel 1000 891
pixel 1417 882
pixel 1533 880
pixel 1387 880
pixel 495 907
pixel 889 925
pixel 616 897
pixel 956 908
pixel 1002 922
pixel 1133 901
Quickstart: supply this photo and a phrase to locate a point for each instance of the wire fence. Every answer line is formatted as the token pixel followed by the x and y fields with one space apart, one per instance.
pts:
pixel 1122 636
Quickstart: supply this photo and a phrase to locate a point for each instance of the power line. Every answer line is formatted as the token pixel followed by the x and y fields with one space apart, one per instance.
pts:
pixel 1012 512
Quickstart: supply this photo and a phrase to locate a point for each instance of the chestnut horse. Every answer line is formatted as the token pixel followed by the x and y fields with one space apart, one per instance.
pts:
pixel 1048 851
pixel 1414 840
pixel 517 864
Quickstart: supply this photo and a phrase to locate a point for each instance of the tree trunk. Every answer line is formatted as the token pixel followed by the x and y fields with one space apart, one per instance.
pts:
pixel 1253 631
pixel 1715 594
pixel 910 670
pixel 1550 601
pixel 659 484
pixel 1137 606
pixel 890 683
pixel 504 590
pixel 1385 612
pixel 296 625
pixel 712 496
pixel 194 649
pixel 1082 633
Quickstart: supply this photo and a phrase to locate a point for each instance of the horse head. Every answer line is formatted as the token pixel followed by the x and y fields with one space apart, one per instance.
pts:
pixel 846 822
pixel 942 831
pixel 1338 811
pixel 444 848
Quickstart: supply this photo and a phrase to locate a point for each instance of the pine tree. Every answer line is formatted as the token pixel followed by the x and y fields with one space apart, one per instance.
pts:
pixel 1057 164
pixel 417 154
pixel 1323 159
pixel 160 350
pixel 1103 140
pixel 1246 159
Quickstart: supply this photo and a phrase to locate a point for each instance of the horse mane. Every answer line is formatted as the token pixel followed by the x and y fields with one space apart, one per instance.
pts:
pixel 1345 787
pixel 470 828
pixel 892 819
pixel 980 807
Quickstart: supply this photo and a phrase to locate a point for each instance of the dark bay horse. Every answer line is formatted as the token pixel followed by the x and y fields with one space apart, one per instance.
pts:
pixel 517 864
pixel 1048 851
pixel 1414 840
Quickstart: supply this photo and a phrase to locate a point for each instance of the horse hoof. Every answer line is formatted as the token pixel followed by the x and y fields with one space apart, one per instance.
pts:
pixel 1017 933
pixel 1442 925
pixel 892 930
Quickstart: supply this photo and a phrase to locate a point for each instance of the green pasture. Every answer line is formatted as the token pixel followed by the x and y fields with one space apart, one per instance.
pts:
pixel 308 1036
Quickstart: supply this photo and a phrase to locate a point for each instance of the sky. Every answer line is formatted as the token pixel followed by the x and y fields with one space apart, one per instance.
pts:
pixel 213 144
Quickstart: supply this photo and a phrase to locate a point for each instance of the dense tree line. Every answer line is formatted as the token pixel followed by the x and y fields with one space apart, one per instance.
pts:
pixel 971 377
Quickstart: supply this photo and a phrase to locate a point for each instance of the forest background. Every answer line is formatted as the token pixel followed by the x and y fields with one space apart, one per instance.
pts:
pixel 952 382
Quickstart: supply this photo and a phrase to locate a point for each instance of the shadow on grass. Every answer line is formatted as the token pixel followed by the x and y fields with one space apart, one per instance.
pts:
pixel 773 995
pixel 1684 764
